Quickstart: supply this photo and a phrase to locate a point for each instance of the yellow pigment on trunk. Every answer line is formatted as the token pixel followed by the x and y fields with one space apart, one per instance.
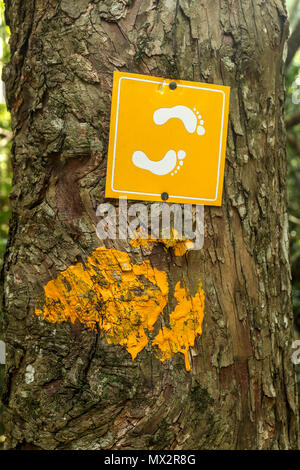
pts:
pixel 180 245
pixel 124 300
pixel 185 324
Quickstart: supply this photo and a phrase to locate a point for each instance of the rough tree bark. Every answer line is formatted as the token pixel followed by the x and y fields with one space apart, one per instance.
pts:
pixel 66 386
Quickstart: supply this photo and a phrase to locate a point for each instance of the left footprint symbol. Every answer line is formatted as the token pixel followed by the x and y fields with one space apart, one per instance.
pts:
pixel 171 161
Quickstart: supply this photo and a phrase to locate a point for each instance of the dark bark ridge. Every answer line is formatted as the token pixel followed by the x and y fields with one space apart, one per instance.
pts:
pixel 66 388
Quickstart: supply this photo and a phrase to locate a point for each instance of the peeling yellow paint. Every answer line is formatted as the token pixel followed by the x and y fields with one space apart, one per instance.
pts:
pixel 185 324
pixel 180 245
pixel 124 300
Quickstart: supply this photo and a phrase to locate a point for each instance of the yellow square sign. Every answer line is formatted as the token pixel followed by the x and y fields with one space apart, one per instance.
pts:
pixel 167 140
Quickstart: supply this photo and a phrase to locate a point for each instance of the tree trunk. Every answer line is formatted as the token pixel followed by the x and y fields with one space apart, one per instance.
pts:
pixel 69 386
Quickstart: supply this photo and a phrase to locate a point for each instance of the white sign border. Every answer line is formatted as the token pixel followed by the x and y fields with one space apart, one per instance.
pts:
pixel 116 135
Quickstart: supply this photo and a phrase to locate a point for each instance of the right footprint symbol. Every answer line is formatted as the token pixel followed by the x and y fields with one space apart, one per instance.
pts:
pixel 188 117
pixel 200 129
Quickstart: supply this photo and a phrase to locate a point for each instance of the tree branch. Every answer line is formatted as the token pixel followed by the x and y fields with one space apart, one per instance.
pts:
pixel 294 11
pixel 295 262
pixel 5 133
pixel 294 220
pixel 293 141
pixel 5 137
pixel 292 119
pixel 293 44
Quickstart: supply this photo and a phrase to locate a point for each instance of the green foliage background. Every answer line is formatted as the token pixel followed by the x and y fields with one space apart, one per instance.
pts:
pixel 294 182
pixel 5 166
pixel 5 142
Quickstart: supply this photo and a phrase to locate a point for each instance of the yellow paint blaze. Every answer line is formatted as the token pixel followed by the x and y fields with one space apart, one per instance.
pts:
pixel 185 324
pixel 180 245
pixel 124 301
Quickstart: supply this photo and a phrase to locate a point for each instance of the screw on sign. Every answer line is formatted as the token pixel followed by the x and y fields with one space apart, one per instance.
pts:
pixel 167 140
pixel 173 85
pixel 165 196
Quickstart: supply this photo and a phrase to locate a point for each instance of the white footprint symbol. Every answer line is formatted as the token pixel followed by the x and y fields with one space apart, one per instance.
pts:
pixel 164 166
pixel 171 162
pixel 188 117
